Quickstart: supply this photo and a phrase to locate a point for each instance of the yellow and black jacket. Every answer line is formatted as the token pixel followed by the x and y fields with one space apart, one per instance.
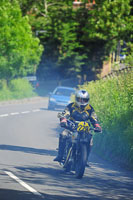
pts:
pixel 77 113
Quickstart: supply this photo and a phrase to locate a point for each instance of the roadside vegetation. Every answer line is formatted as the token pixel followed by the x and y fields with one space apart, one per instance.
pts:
pixel 16 89
pixel 20 51
pixel 113 101
pixel 69 41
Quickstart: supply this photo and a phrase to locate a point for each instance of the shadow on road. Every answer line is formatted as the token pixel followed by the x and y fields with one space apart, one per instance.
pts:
pixel 28 150
pixel 6 194
pixel 100 182
pixel 96 185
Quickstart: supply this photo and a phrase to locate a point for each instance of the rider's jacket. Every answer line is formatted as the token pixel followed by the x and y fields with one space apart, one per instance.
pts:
pixel 77 113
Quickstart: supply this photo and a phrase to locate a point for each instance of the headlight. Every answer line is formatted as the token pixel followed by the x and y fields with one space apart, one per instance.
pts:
pixel 52 99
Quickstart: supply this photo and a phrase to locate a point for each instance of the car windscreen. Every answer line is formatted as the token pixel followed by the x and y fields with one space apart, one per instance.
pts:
pixel 64 92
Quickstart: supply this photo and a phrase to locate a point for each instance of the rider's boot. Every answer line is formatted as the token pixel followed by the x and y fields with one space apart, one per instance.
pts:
pixel 62 142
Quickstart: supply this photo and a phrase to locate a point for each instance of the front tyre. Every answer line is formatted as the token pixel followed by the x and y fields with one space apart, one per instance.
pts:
pixel 67 163
pixel 81 161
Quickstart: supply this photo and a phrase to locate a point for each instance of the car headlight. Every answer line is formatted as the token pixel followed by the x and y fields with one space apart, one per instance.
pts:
pixel 52 99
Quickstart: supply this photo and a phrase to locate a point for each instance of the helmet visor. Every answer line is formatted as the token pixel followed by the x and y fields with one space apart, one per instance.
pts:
pixel 82 100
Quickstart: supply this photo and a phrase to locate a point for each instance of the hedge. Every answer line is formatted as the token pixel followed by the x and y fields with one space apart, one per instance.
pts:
pixel 113 103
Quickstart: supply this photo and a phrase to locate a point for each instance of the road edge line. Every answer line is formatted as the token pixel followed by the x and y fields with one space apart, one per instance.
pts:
pixel 25 185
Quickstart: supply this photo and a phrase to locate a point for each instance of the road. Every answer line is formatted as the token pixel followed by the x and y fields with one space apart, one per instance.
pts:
pixel 28 142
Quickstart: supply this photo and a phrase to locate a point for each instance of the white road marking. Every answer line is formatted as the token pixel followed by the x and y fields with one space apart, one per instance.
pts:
pixel 36 110
pixel 18 113
pixel 4 115
pixel 25 112
pixel 23 183
pixel 15 113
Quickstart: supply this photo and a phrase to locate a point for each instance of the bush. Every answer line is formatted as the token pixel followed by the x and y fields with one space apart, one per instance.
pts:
pixel 16 89
pixel 112 100
pixel 5 93
pixel 21 88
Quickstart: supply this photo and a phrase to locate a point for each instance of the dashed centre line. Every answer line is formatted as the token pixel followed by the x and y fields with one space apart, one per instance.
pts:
pixel 25 112
pixel 19 113
pixel 4 115
pixel 36 110
pixel 15 113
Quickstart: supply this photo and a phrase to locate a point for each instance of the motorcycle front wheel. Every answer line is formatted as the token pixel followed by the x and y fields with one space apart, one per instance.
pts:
pixel 81 161
pixel 67 163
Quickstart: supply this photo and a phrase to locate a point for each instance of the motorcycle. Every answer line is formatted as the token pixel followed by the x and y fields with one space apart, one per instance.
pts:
pixel 77 147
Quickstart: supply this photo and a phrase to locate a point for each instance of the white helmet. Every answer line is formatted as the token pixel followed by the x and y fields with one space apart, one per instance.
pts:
pixel 82 98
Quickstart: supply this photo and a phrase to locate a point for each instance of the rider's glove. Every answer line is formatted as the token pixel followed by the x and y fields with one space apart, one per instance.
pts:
pixel 71 127
pixel 63 122
pixel 98 128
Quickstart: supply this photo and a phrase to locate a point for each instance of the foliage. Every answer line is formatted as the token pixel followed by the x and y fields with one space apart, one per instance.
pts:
pixel 59 37
pixel 77 41
pixel 129 54
pixel 5 93
pixel 19 50
pixel 20 88
pixel 114 26
pixel 16 89
pixel 112 100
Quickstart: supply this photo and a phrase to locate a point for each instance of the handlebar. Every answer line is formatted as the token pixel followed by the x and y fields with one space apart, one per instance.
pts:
pixel 72 124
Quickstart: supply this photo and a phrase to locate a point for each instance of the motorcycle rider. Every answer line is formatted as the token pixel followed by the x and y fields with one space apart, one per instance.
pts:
pixel 80 110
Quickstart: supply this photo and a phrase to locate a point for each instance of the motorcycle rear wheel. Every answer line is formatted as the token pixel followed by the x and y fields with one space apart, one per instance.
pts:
pixel 81 161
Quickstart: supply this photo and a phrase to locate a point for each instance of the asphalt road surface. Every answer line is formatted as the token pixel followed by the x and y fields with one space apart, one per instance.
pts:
pixel 28 142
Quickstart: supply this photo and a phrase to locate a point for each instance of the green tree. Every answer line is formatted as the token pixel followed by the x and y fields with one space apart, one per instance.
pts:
pixel 110 21
pixel 77 41
pixel 54 23
pixel 19 51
